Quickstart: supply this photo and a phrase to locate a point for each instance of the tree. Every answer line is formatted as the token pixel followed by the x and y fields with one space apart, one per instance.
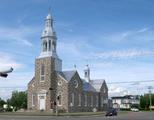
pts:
pixel 145 101
pixel 2 102
pixel 18 100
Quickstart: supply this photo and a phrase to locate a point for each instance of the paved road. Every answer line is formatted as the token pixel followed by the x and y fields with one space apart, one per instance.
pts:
pixel 123 116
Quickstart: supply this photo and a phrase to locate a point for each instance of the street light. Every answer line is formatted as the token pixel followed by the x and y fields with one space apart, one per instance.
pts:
pixel 55 102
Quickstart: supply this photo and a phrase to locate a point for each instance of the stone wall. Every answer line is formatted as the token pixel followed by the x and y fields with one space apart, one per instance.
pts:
pixel 39 86
pixel 104 97
pixel 62 88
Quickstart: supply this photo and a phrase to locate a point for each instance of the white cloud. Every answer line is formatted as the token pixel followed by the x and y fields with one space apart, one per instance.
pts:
pixel 129 35
pixel 115 90
pixel 143 30
pixel 18 35
pixel 124 53
pixel 7 61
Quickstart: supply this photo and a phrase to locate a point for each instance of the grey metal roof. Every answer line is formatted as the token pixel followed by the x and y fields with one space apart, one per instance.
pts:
pixel 93 85
pixel 67 75
pixel 88 87
pixel 97 84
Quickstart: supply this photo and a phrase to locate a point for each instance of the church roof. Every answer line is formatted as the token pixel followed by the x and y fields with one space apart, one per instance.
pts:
pixel 87 86
pixel 93 85
pixel 67 75
pixel 97 84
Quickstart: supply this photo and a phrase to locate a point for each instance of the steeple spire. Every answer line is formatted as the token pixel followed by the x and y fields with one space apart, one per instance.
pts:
pixel 49 39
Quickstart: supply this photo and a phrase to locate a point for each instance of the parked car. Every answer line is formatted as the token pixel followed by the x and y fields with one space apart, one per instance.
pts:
pixel 111 112
pixel 134 109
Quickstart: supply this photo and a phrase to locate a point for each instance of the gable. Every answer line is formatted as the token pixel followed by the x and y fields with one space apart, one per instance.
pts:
pixel 88 87
pixel 97 84
pixel 67 75
pixel 104 85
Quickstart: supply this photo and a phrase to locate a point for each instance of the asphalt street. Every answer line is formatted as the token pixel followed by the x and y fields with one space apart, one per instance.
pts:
pixel 123 116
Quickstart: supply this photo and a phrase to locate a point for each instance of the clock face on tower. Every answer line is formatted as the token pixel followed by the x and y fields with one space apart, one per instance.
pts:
pixel 75 83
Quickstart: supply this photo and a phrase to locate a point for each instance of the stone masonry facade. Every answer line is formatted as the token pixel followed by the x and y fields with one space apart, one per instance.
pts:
pixel 63 91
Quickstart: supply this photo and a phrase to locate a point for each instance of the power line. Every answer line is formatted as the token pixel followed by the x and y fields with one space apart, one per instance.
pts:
pixel 141 81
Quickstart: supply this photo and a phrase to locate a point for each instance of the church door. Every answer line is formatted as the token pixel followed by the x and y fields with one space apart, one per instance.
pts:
pixel 42 102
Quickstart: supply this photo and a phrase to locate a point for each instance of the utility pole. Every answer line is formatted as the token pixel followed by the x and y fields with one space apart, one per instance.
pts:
pixel 150 87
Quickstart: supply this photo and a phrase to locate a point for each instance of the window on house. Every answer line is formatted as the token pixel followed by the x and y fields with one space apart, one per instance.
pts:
pixel 42 72
pixel 33 99
pixel 79 99
pixel 85 99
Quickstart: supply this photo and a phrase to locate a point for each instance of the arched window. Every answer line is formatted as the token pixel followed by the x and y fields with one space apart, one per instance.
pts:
pixel 79 99
pixel 59 99
pixel 72 100
pixel 102 101
pixel 42 72
pixel 85 99
pixel 91 100
pixel 96 100
pixel 44 46
pixel 49 45
pixel 33 99
pixel 54 46
pixel 86 73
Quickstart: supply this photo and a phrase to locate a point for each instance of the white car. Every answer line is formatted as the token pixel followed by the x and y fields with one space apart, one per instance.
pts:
pixel 134 109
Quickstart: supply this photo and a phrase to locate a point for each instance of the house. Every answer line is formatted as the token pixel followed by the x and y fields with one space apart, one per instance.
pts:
pixel 54 89
pixel 125 102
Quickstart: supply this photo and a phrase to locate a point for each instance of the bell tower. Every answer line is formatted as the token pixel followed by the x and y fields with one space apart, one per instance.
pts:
pixel 49 43
pixel 46 66
pixel 48 39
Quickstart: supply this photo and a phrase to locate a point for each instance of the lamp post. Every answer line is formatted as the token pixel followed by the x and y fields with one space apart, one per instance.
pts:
pixel 52 102
pixel 55 102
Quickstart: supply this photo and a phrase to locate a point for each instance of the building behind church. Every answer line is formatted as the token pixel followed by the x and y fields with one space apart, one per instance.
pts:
pixel 52 88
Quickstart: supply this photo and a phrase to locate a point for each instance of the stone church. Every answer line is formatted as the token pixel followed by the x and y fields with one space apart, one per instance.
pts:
pixel 54 89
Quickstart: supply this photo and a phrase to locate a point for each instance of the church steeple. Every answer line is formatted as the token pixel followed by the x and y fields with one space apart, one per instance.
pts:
pixel 48 39
pixel 87 73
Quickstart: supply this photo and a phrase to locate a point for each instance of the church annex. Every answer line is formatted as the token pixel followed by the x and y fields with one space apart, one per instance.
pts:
pixel 52 88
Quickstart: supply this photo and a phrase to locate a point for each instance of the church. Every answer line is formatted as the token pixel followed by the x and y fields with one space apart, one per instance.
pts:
pixel 53 89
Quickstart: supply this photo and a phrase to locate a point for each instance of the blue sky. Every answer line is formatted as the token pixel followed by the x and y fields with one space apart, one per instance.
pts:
pixel 115 37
